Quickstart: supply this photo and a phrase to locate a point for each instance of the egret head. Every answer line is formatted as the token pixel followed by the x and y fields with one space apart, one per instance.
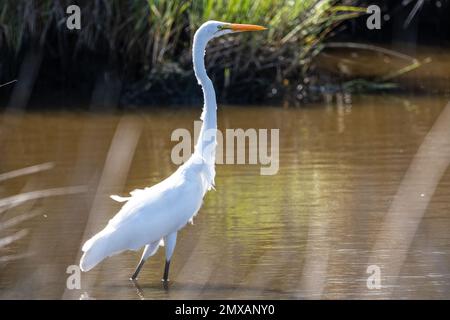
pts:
pixel 213 29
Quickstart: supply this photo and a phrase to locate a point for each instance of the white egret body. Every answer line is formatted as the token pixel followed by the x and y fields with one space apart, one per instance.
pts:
pixel 152 216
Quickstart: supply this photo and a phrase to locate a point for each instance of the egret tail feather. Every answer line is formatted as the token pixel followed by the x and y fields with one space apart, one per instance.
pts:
pixel 98 248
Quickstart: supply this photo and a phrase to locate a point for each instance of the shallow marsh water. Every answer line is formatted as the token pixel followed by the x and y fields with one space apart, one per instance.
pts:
pixel 310 231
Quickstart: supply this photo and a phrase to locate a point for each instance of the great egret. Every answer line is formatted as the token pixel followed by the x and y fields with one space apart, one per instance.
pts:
pixel 151 217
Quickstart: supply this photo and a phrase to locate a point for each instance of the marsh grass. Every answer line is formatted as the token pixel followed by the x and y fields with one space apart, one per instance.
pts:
pixel 149 42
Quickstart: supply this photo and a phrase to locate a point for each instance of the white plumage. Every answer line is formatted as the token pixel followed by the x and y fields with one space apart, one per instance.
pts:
pixel 151 217
pixel 150 214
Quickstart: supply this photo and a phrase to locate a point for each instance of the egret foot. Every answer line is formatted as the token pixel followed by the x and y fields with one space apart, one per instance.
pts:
pixel 165 285
pixel 139 291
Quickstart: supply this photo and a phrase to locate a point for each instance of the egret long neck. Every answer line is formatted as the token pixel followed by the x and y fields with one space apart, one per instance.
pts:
pixel 206 144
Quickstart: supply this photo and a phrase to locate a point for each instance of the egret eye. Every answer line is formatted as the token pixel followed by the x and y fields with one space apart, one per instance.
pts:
pixel 220 27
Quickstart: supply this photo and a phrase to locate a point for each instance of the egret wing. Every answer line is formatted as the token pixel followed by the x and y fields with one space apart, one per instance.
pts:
pixel 152 214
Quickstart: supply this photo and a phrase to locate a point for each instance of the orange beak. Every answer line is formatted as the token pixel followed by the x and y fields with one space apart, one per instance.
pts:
pixel 236 27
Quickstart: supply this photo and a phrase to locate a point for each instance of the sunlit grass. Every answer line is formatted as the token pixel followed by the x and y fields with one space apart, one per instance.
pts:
pixel 155 36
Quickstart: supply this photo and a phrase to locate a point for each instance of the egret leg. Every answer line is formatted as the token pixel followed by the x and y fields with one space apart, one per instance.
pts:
pixel 166 271
pixel 170 242
pixel 150 249
pixel 138 269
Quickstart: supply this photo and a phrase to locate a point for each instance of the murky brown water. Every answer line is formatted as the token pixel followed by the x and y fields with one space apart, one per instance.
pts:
pixel 310 231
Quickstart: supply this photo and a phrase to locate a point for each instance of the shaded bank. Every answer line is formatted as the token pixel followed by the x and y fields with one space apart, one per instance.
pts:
pixel 145 47
pixel 138 53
